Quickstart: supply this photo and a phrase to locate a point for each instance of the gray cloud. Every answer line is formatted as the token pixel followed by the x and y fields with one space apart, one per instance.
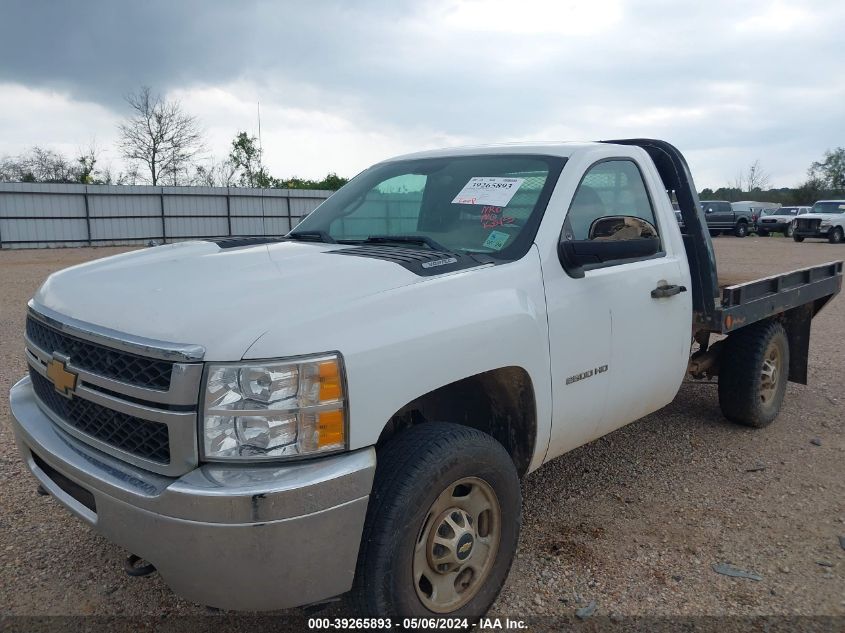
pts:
pixel 747 79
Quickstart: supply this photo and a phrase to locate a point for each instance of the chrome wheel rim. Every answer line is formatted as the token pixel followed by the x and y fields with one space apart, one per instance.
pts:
pixel 456 545
pixel 770 373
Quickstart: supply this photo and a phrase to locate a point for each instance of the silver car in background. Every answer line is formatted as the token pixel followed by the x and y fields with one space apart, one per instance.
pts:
pixel 779 220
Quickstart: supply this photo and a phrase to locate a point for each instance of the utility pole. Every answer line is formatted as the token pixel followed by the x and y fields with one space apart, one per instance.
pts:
pixel 260 146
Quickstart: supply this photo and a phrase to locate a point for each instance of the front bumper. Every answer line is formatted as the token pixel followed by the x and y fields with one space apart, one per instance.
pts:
pixel 821 234
pixel 255 537
pixel 772 227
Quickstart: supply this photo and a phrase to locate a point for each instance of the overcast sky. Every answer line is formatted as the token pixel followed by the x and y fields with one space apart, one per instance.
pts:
pixel 345 84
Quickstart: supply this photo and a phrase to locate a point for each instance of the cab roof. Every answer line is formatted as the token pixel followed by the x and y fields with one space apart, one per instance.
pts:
pixel 555 148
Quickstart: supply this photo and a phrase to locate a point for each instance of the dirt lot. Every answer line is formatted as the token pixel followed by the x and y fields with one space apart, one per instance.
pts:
pixel 634 521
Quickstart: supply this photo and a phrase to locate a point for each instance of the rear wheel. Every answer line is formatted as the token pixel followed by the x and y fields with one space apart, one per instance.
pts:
pixel 798 238
pixel 741 229
pixel 442 525
pixel 836 236
pixel 788 230
pixel 754 368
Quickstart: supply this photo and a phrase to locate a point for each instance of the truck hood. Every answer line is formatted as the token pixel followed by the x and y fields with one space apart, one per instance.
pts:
pixel 222 299
pixel 822 216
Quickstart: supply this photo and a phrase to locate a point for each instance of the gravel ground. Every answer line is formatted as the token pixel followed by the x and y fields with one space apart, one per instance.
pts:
pixel 634 521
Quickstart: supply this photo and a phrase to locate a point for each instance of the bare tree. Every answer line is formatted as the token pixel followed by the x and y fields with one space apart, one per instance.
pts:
pixel 756 178
pixel 8 169
pixel 38 165
pixel 160 136
pixel 129 177
pixel 215 174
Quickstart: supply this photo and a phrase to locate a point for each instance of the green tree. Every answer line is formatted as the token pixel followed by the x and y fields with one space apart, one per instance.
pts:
pixel 86 170
pixel 333 182
pixel 246 157
pixel 830 171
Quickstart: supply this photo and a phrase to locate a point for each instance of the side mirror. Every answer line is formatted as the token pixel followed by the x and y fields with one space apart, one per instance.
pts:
pixel 621 227
pixel 612 238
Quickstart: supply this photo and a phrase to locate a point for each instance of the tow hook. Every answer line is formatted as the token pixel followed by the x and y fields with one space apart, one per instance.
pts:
pixel 132 568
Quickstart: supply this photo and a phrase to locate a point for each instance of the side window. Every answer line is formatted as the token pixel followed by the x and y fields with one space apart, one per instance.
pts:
pixel 611 188
pixel 390 208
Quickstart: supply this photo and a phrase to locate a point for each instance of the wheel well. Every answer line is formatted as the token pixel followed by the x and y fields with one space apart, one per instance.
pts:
pixel 499 402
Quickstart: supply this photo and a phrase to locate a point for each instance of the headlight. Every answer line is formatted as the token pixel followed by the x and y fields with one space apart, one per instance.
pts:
pixel 824 224
pixel 274 409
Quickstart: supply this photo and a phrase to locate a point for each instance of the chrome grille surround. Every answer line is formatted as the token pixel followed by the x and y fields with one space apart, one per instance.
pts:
pixel 106 361
pixel 175 407
pixel 811 224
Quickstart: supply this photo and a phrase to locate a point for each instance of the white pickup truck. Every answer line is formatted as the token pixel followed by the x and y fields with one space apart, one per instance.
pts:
pixel 826 220
pixel 349 408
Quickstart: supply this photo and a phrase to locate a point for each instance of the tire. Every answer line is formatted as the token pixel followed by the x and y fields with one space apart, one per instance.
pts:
pixel 835 236
pixel 741 229
pixel 423 475
pixel 798 238
pixel 753 373
pixel 787 232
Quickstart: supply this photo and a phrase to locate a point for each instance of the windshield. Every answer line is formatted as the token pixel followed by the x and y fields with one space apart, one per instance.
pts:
pixel 783 211
pixel 477 204
pixel 832 206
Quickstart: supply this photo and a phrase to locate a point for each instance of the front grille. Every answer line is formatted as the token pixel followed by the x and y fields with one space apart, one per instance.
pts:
pixel 768 221
pixel 808 225
pixel 143 438
pixel 111 363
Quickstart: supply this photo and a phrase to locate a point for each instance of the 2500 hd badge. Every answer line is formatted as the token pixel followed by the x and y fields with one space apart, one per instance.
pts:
pixel 586 374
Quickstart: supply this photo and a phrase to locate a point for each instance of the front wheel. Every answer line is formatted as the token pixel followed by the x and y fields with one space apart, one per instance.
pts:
pixel 741 229
pixel 442 525
pixel 754 368
pixel 789 230
pixel 836 236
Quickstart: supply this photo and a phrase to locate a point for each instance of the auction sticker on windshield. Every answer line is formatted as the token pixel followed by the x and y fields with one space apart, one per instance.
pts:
pixel 496 240
pixel 489 190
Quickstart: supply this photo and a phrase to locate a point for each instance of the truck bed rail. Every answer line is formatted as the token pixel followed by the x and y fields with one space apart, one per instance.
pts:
pixel 746 303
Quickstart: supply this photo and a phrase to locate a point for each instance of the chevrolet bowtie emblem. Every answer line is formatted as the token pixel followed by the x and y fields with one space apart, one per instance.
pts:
pixel 63 380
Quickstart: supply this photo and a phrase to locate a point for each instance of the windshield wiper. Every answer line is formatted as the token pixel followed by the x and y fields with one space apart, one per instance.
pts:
pixel 312 236
pixel 422 240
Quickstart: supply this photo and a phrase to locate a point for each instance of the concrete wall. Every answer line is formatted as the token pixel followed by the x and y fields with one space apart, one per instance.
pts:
pixel 35 215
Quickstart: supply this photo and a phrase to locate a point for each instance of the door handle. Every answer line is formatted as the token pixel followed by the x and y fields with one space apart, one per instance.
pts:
pixel 667 291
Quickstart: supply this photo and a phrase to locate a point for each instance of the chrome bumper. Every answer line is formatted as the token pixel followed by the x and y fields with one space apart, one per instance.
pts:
pixel 234 537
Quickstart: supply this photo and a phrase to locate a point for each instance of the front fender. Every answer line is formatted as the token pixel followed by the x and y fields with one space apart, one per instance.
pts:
pixel 403 343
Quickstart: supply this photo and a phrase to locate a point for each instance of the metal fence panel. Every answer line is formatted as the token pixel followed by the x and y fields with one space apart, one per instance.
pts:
pixel 37 215
pixel 106 229
pixel 123 205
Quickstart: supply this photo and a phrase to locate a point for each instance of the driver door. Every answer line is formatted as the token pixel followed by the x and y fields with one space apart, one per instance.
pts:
pixel 617 352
